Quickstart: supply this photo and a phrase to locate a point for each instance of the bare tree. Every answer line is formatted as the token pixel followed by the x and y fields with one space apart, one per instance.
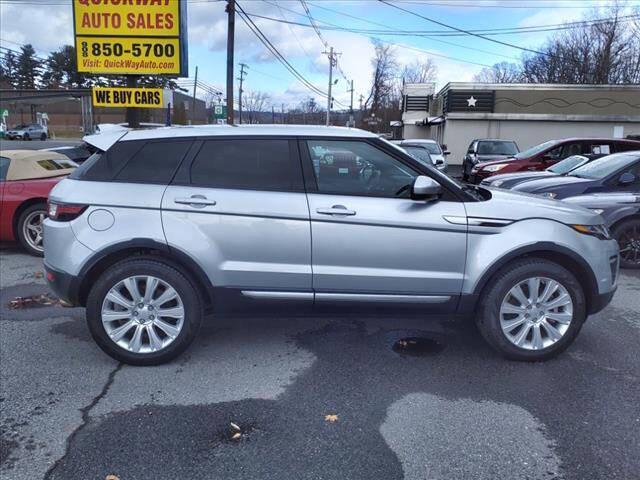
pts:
pixel 256 102
pixel 420 71
pixel 503 72
pixel 385 68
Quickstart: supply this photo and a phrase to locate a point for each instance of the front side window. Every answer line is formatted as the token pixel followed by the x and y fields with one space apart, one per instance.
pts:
pixel 358 168
pixel 253 164
pixel 4 167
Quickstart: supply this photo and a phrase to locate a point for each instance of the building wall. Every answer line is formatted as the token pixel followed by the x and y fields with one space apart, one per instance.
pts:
pixel 458 133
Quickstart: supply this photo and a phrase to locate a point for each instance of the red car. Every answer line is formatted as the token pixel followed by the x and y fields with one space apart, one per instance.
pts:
pixel 546 154
pixel 26 178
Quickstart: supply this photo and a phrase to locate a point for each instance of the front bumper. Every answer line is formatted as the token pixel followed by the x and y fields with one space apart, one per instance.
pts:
pixel 599 302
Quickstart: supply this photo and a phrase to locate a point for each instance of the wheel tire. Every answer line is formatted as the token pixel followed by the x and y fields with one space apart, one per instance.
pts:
pixel 20 227
pixel 43 137
pixel 187 291
pixel 488 319
pixel 26 137
pixel 622 231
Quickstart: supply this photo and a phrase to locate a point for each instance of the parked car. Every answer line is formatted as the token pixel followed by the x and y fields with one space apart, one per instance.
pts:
pixel 26 177
pixel 78 153
pixel 549 153
pixel 563 167
pixel 225 220
pixel 621 212
pixel 28 132
pixel 426 151
pixel 619 172
pixel 486 150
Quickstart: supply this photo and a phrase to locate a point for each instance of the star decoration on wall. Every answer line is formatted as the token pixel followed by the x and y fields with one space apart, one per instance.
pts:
pixel 471 102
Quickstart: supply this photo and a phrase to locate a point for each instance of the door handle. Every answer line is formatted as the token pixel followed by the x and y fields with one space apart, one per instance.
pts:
pixel 336 210
pixel 195 201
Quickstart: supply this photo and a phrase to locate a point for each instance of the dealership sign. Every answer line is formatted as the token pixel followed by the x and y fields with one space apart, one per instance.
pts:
pixel 131 37
pixel 131 97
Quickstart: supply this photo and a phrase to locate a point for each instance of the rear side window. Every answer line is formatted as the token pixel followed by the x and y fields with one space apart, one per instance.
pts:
pixel 4 167
pixel 626 147
pixel 155 162
pixel 254 164
pixel 104 167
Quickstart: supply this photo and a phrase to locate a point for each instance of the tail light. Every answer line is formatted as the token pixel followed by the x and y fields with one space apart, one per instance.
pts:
pixel 65 212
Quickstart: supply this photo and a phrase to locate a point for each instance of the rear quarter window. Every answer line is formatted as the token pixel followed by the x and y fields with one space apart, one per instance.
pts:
pixel 4 167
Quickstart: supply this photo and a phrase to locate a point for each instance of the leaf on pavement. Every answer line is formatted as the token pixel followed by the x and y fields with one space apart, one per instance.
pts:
pixel 236 436
pixel 331 418
pixel 111 477
pixel 235 427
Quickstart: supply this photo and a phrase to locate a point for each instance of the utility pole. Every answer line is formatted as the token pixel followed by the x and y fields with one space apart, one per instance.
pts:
pixel 241 78
pixel 231 26
pixel 133 113
pixel 333 60
pixel 351 122
pixel 282 112
pixel 193 101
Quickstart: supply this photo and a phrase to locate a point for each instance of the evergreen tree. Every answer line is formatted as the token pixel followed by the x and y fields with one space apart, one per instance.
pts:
pixel 8 67
pixel 28 68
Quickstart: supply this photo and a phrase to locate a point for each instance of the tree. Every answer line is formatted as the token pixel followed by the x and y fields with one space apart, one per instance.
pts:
pixel 28 68
pixel 503 72
pixel 255 103
pixel 8 70
pixel 420 71
pixel 385 68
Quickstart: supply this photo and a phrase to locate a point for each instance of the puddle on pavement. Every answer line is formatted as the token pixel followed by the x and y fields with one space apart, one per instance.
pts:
pixel 418 346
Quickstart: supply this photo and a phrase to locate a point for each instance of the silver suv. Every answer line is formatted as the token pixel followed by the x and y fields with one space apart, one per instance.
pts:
pixel 163 226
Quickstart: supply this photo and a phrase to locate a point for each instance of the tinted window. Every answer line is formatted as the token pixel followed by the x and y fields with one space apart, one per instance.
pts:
pixel 625 147
pixel 494 147
pixel 104 167
pixel 155 162
pixel 253 164
pixel 605 166
pixel 358 168
pixel 536 150
pixel 4 167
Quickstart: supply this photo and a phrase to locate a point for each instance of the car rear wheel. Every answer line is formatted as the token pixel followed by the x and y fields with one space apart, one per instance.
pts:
pixel 143 312
pixel 30 228
pixel 627 235
pixel 43 136
pixel 532 310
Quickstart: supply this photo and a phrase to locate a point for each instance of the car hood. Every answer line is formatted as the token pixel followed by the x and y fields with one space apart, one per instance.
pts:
pixel 509 205
pixel 549 183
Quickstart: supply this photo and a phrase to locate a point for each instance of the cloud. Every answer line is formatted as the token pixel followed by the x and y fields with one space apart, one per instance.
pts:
pixel 45 27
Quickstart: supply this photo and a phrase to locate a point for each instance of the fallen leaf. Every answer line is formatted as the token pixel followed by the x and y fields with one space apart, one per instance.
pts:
pixel 236 436
pixel 331 418
pixel 38 275
pixel 111 477
pixel 235 427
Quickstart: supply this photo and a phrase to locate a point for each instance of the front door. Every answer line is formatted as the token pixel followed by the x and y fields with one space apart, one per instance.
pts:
pixel 369 239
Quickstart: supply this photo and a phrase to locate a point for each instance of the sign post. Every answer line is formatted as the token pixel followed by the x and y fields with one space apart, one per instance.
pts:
pixel 114 37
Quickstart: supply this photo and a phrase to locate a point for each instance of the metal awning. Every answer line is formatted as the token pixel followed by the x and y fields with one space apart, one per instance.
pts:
pixel 431 121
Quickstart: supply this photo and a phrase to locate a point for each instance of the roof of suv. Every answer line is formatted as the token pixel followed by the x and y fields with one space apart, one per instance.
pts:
pixel 104 140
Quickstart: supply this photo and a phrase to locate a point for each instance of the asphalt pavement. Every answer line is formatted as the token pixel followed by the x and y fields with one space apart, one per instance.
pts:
pixel 37 144
pixel 454 411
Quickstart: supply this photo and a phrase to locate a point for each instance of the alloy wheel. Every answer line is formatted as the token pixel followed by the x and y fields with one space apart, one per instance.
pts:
pixel 629 243
pixel 536 313
pixel 32 229
pixel 142 314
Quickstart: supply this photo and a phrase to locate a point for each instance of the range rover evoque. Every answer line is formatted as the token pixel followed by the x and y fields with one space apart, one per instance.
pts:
pixel 162 226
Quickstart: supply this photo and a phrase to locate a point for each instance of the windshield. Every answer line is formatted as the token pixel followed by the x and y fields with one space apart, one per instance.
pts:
pixel 419 154
pixel 568 164
pixel 432 148
pixel 20 126
pixel 537 149
pixel 605 166
pixel 496 147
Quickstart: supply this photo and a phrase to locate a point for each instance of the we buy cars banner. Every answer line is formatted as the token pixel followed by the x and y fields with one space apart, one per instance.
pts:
pixel 131 37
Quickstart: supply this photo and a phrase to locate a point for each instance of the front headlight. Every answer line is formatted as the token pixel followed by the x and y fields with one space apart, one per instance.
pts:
pixel 494 168
pixel 497 183
pixel 598 231
pixel 549 194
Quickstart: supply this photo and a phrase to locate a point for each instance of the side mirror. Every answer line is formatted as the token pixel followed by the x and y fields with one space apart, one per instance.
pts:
pixel 446 152
pixel 425 188
pixel 627 178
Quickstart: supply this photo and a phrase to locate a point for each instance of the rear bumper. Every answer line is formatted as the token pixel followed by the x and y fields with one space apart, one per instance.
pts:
pixel 64 285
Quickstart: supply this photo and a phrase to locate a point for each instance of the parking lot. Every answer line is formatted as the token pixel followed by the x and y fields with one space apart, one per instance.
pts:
pixel 453 410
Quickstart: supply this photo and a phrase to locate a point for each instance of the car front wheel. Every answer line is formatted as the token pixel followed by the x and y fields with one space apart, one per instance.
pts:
pixel 627 234
pixel 532 310
pixel 143 312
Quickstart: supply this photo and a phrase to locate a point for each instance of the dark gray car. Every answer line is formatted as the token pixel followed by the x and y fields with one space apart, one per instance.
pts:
pixel 621 212
pixel 487 150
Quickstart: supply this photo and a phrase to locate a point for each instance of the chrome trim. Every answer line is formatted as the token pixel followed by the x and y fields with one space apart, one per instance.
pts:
pixel 455 220
pixel 387 298
pixel 277 295
pixel 488 222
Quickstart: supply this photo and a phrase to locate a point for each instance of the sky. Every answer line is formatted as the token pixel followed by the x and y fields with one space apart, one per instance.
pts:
pixel 47 25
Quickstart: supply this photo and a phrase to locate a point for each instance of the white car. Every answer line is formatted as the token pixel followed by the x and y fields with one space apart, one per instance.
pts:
pixel 425 148
pixel 28 132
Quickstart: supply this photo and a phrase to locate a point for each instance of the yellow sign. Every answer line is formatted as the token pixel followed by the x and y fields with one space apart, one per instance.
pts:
pixel 128 97
pixel 131 37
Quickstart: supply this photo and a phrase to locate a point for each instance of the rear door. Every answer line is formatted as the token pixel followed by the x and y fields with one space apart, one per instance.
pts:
pixel 237 206
pixel 370 241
